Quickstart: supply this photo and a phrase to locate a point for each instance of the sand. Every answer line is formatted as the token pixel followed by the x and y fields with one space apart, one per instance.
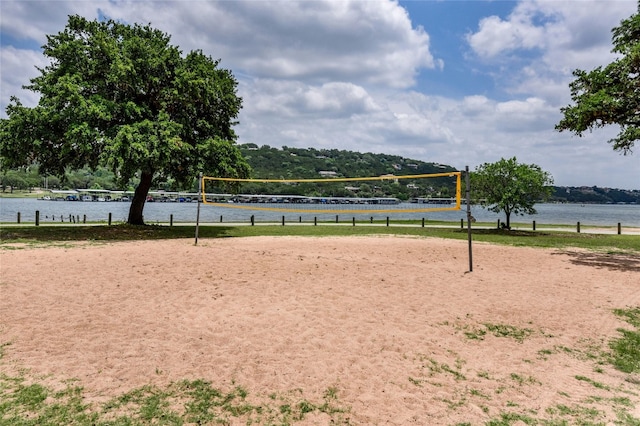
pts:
pixel 396 327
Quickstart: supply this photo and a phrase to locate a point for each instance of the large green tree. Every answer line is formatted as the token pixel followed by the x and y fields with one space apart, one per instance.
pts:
pixel 510 187
pixel 610 95
pixel 122 96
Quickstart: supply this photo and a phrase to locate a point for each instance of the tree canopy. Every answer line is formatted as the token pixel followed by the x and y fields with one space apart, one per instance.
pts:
pixel 122 96
pixel 510 187
pixel 609 95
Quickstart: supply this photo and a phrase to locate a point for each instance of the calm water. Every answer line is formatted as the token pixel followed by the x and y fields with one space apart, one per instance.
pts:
pixel 567 214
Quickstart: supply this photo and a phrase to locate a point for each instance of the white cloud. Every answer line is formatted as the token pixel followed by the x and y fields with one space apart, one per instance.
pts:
pixel 541 42
pixel 496 36
pixel 555 27
pixel 33 20
pixel 476 104
pixel 293 98
pixel 321 41
pixel 18 68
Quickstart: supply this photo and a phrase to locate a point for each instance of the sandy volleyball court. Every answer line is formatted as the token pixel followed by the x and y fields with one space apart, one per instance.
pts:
pixel 395 327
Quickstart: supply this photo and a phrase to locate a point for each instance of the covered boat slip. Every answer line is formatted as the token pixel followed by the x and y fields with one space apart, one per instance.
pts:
pixel 109 195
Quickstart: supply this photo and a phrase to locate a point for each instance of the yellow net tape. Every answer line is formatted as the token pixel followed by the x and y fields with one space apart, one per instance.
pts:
pixel 328 204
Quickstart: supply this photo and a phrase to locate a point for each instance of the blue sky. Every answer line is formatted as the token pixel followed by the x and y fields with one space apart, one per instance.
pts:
pixel 453 82
pixel 448 23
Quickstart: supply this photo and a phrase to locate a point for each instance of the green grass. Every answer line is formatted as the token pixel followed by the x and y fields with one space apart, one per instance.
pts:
pixel 626 349
pixel 498 330
pixel 592 382
pixel 549 239
pixel 504 330
pixel 180 403
pixel 21 194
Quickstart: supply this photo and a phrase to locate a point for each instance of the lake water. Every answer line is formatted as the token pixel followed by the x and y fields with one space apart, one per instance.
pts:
pixel 564 214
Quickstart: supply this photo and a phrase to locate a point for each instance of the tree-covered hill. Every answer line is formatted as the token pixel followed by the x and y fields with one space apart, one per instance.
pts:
pixel 310 163
pixel 307 163
pixel 595 195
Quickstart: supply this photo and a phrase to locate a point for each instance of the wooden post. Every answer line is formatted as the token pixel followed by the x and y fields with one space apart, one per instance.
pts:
pixel 37 217
pixel 461 223
pixel 578 228
pixel 353 221
pixel 336 218
pixel 84 218
pixel 171 219
pixel 315 221
pixel 18 217
pixel 619 228
pixel 109 219
pixel 220 218
pixel 387 220
pixel 282 220
pixel 534 225
pixel 253 220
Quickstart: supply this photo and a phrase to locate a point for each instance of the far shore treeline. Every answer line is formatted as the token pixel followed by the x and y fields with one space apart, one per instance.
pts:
pixel 300 163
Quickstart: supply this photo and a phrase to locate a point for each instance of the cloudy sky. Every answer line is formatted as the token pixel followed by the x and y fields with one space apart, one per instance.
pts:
pixel 454 82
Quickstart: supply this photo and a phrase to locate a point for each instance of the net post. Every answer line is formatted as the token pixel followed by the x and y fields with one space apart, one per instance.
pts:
pixel 468 196
pixel 200 196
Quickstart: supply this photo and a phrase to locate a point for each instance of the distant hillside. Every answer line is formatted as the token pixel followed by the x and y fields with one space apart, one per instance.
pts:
pixel 596 195
pixel 309 163
pixel 306 163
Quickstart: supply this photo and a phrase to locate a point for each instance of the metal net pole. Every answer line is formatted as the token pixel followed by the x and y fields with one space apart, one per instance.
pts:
pixel 198 210
pixel 469 218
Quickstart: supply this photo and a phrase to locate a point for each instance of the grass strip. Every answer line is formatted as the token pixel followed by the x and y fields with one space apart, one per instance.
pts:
pixel 122 232
pixel 184 402
pixel 626 349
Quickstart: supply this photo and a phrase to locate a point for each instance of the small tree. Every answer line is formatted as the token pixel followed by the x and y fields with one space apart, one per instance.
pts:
pixel 609 95
pixel 510 187
pixel 123 97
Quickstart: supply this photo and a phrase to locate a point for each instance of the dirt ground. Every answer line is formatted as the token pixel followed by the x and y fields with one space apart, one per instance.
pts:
pixel 398 327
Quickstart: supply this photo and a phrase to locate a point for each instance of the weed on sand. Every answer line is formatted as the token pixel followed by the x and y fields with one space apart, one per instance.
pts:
pixel 184 402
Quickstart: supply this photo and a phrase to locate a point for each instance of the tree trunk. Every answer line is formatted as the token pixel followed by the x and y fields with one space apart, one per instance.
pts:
pixel 139 198
pixel 508 220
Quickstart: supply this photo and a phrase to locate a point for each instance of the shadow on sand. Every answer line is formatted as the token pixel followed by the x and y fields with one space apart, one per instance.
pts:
pixel 612 261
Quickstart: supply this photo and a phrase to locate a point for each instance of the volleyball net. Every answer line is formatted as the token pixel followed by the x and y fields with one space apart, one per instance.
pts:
pixel 358 195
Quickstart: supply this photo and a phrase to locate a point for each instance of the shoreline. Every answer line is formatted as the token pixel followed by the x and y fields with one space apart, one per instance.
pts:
pixel 549 215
